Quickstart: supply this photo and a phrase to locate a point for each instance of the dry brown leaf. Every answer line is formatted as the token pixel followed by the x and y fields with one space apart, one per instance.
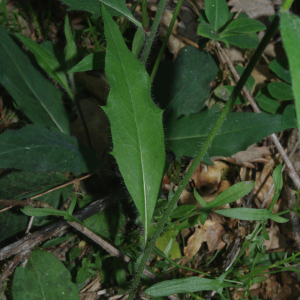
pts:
pixel 193 245
pixel 277 239
pixel 254 8
pixel 209 176
pixel 252 153
pixel 211 232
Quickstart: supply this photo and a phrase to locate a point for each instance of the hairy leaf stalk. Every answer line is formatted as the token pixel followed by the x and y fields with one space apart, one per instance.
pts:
pixel 238 88
pixel 149 41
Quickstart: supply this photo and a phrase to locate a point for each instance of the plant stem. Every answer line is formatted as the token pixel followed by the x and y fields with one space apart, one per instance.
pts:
pixel 237 90
pixel 163 47
pixel 144 15
pixel 151 37
pixel 286 5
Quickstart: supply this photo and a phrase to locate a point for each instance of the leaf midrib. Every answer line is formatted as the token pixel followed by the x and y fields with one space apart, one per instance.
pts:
pixel 139 141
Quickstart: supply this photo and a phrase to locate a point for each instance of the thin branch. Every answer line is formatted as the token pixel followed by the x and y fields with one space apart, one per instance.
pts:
pixel 292 172
pixel 38 237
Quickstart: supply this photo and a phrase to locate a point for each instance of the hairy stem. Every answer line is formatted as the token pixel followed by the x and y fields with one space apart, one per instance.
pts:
pixel 154 27
pixel 163 47
pixel 144 15
pixel 237 90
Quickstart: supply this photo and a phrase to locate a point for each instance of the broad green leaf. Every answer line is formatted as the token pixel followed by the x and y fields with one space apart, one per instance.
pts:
pixel 119 272
pixel 267 102
pixel 108 222
pixel 280 90
pixel 280 66
pixel 185 285
pixel 289 116
pixel 250 82
pixel 182 210
pixel 224 92
pixel 239 131
pixel 93 61
pixel 207 30
pixel 278 181
pixel 136 123
pixel 232 15
pixel 290 33
pixel 21 184
pixel 43 150
pixel 249 40
pixel 244 25
pixel 138 41
pixel 71 50
pixel 48 62
pixel 184 85
pixel 250 214
pixel 231 194
pixel 34 93
pixel 43 277
pixel 114 7
pixel 163 241
pixel 217 12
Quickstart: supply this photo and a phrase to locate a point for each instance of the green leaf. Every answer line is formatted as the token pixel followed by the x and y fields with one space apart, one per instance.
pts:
pixel 224 92
pixel 34 94
pixel 182 210
pixel 231 194
pixel 21 184
pixel 199 198
pixel 249 40
pixel 114 7
pixel 72 205
pixel 250 82
pixel 119 271
pixel 281 90
pixel 71 50
pixel 44 150
pixel 184 85
pixel 280 66
pixel 138 41
pixel 278 181
pixel 44 212
pixel 185 285
pixel 250 214
pixel 239 131
pixel 43 277
pixel 244 25
pixel 57 241
pixel 267 102
pixel 107 223
pixel 290 33
pixel 136 123
pixel 188 223
pixel 289 116
pixel 208 31
pixel 217 12
pixel 48 62
pixel 93 61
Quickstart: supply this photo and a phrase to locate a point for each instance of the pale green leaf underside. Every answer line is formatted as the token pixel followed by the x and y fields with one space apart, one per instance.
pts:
pixel 185 285
pixel 290 32
pixel 136 122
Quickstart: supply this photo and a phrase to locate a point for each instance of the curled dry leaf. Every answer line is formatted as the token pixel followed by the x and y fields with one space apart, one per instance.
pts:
pixel 277 239
pixel 211 233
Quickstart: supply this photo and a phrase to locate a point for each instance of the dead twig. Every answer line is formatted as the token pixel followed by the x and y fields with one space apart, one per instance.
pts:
pixel 38 237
